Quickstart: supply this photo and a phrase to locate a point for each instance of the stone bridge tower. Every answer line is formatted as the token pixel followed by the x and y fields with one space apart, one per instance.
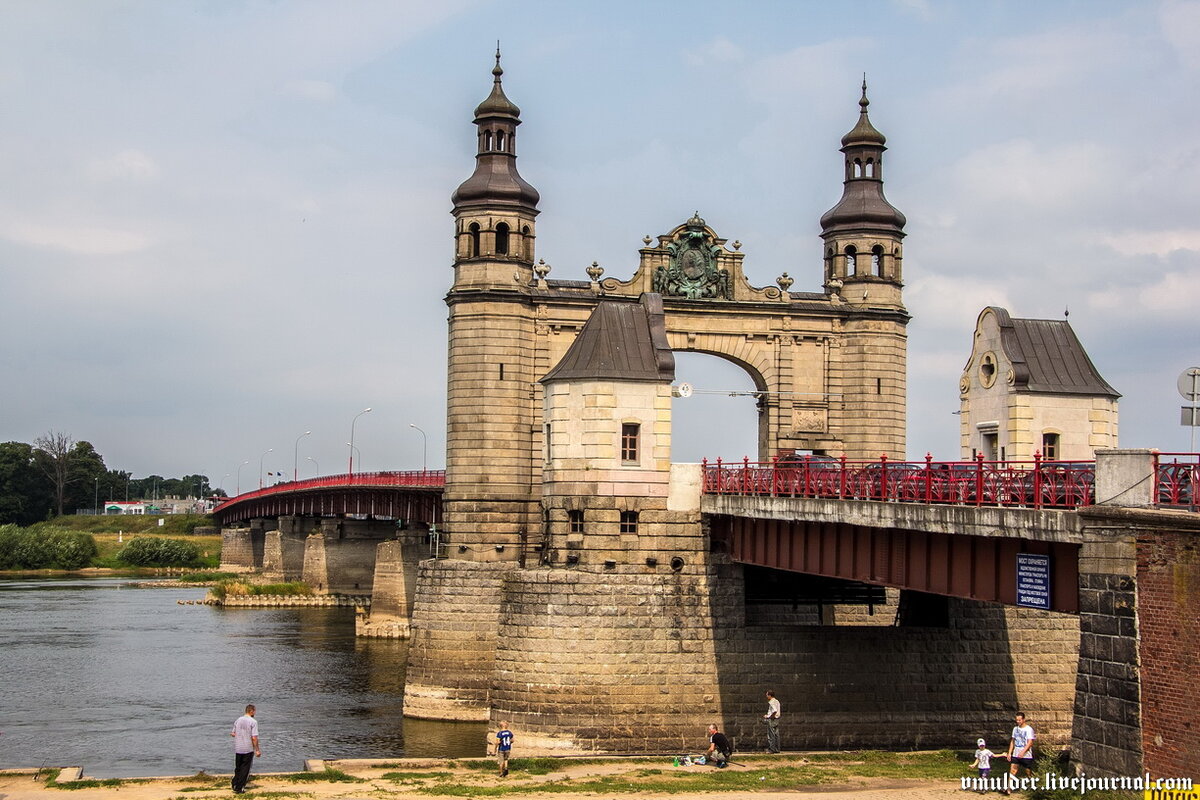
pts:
pixel 828 367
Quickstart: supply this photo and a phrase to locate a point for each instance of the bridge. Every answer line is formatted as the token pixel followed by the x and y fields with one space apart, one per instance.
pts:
pixel 966 531
pixel 412 495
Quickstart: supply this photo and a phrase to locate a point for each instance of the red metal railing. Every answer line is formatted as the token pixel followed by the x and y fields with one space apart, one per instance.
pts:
pixel 1176 476
pixel 411 479
pixel 1032 484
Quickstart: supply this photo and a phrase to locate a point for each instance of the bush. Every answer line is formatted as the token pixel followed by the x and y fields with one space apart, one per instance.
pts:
pixel 45 548
pixel 149 551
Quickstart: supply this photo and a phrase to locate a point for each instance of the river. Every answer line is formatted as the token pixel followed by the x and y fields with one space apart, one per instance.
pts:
pixel 125 681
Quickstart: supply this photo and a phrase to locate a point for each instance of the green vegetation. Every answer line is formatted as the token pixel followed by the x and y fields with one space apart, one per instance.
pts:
pixel 330 775
pixel 44 548
pixel 237 588
pixel 172 524
pixel 151 551
pixel 52 783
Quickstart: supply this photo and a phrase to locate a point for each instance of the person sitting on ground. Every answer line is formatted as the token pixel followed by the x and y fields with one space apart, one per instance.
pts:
pixel 719 748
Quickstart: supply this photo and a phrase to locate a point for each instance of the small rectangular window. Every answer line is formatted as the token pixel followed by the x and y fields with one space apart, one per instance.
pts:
pixel 546 444
pixel 1050 446
pixel 630 431
pixel 575 519
pixel 629 522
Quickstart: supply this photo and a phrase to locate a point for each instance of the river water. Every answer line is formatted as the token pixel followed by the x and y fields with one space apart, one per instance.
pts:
pixel 124 682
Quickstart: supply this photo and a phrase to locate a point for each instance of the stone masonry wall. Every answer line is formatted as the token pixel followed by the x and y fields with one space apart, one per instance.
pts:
pixel 394 587
pixel 1168 582
pixel 452 651
pixel 237 550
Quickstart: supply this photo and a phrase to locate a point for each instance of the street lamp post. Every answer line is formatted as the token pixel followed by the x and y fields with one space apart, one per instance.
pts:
pixel 239 476
pixel 351 442
pixel 295 456
pixel 424 445
pixel 260 467
pixel 316 466
pixel 354 450
pixel 221 485
pixel 96 501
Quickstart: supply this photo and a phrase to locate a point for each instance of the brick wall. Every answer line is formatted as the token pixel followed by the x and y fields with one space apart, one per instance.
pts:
pixel 1168 568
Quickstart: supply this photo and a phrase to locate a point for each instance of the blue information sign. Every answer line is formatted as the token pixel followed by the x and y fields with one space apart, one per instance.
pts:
pixel 1033 580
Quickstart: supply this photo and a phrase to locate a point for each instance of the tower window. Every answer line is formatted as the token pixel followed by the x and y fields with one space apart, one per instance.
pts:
pixel 575 521
pixel 500 141
pixel 630 433
pixel 1050 449
pixel 851 260
pixel 877 260
pixel 474 243
pixel 629 522
pixel 487 140
pixel 546 446
pixel 858 169
pixel 870 171
pixel 502 239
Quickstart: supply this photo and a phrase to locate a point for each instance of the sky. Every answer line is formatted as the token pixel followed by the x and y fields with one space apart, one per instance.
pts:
pixel 224 224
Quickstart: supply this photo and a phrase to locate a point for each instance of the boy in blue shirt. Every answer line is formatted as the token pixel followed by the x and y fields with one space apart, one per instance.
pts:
pixel 504 740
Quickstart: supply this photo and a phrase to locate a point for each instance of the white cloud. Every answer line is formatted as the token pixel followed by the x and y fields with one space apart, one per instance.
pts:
pixel 130 165
pixel 1180 20
pixel 80 240
pixel 322 91
pixel 1018 174
pixel 1158 243
pixel 719 50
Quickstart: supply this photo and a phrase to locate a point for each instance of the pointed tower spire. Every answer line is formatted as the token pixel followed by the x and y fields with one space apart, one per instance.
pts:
pixel 496 180
pixel 863 231
pixel 863 203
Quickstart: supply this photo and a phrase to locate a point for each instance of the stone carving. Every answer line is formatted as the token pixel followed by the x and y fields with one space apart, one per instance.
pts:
pixel 693 272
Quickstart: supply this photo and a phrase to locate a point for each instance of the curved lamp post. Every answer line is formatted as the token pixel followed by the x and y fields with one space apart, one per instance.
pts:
pixel 221 485
pixel 260 463
pixel 316 466
pixel 353 450
pixel 295 456
pixel 351 442
pixel 239 476
pixel 424 445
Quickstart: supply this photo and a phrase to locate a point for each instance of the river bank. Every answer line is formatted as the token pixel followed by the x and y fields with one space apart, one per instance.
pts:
pixel 858 775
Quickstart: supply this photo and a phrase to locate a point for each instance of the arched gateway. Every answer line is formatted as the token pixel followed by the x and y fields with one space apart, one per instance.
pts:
pixel 559 477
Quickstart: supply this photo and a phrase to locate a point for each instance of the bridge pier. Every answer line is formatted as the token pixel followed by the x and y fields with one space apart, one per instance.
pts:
pixel 242 547
pixel 394 585
pixel 283 548
pixel 339 556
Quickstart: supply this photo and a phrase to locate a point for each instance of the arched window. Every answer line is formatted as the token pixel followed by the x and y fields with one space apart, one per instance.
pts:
pixel 500 141
pixel 474 242
pixel 870 168
pixel 851 261
pixel 487 140
pixel 526 241
pixel 857 168
pixel 877 260
pixel 502 239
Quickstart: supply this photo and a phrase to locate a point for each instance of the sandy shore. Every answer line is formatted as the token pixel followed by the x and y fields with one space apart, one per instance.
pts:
pixel 425 778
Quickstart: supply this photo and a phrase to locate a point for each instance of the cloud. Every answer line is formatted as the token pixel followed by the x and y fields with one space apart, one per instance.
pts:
pixel 129 165
pixel 719 50
pixel 322 91
pixel 1158 243
pixel 1180 20
pixel 80 239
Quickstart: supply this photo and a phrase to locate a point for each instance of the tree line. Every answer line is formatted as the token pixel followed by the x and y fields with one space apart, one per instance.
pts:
pixel 57 473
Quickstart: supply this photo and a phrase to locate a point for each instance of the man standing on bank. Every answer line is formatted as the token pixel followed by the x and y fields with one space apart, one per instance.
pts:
pixel 1020 750
pixel 245 748
pixel 772 720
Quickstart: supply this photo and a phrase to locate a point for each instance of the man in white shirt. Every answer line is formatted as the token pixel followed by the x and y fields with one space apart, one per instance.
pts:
pixel 772 720
pixel 245 748
pixel 1020 749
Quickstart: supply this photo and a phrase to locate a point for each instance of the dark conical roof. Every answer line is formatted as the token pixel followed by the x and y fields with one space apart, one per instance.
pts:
pixel 497 103
pixel 621 341
pixel 495 181
pixel 864 132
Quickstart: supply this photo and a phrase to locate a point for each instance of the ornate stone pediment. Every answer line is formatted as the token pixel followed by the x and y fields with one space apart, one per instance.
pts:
pixel 692 270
